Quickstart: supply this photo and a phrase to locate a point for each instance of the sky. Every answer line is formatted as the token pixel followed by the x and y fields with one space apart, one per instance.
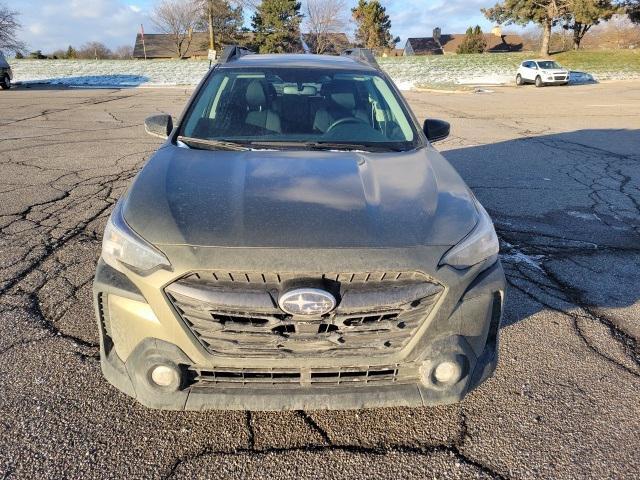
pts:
pixel 54 24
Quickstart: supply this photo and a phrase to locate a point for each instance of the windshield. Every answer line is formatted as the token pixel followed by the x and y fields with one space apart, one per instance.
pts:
pixel 548 65
pixel 289 107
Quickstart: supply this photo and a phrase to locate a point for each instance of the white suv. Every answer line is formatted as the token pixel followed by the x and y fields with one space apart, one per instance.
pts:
pixel 541 72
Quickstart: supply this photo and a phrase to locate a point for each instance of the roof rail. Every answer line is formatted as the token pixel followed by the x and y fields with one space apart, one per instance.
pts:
pixel 232 52
pixel 362 55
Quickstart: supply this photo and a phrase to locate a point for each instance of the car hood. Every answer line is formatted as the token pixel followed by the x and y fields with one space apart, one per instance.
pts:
pixel 299 199
pixel 555 70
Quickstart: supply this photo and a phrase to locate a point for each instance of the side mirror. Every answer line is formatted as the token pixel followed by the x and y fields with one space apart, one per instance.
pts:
pixel 436 130
pixel 159 125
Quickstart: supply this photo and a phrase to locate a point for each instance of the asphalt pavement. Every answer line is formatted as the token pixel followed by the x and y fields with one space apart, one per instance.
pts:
pixel 558 169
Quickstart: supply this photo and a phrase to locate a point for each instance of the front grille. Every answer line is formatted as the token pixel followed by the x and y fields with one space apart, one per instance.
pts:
pixel 296 378
pixel 560 77
pixel 237 313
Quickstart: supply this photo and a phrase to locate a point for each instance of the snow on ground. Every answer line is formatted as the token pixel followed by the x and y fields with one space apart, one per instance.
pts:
pixel 102 73
pixel 407 72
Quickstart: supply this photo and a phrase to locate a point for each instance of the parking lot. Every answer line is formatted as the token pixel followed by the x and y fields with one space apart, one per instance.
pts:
pixel 557 168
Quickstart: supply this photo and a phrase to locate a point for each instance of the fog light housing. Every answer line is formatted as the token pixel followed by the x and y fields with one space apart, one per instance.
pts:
pixel 165 376
pixel 447 372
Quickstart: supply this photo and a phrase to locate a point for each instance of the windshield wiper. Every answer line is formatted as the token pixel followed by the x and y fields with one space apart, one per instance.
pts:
pixel 320 145
pixel 203 144
pixel 367 147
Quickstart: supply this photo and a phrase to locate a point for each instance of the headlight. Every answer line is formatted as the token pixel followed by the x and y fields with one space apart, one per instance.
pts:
pixel 121 244
pixel 480 244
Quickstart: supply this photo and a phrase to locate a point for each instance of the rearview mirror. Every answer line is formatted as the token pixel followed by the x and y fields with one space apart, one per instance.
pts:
pixel 436 130
pixel 159 125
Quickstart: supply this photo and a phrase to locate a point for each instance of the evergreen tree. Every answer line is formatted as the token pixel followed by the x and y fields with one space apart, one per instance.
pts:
pixel 223 20
pixel 473 42
pixel 71 53
pixel 276 24
pixel 373 25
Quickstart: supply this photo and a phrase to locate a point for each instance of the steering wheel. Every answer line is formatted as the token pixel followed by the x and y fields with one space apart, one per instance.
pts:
pixel 346 120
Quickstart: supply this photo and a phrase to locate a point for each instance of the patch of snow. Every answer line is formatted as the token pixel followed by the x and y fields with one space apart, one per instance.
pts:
pixel 483 90
pixel 514 255
pixel 405 85
pixel 584 216
pixel 579 78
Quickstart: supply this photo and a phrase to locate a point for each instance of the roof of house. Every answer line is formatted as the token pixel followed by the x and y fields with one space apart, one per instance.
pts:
pixel 451 42
pixel 161 45
pixel 495 43
pixel 424 45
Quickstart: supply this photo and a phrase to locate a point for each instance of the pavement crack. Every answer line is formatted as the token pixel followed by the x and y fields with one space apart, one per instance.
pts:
pixel 314 426
pixel 251 432
pixel 381 450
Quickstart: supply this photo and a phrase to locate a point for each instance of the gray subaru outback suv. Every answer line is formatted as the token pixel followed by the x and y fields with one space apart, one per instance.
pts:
pixel 297 243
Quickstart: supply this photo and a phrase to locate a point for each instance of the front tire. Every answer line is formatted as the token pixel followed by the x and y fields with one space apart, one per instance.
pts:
pixel 539 82
pixel 6 83
pixel 519 80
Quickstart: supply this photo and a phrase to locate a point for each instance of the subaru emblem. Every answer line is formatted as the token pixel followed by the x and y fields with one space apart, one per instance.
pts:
pixel 307 301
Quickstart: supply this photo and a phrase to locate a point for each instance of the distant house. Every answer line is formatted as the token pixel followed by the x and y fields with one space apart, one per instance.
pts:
pixel 422 46
pixel 440 44
pixel 161 45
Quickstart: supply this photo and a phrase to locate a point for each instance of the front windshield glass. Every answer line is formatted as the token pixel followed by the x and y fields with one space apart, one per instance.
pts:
pixel 548 65
pixel 283 107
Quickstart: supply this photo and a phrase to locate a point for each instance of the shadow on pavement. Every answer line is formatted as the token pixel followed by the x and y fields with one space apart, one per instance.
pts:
pixel 567 210
pixel 87 81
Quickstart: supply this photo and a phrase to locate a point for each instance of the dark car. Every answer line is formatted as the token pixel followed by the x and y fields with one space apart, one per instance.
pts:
pixel 297 243
pixel 6 75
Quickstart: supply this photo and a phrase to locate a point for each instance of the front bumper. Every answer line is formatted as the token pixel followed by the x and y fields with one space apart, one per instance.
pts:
pixel 133 339
pixel 555 81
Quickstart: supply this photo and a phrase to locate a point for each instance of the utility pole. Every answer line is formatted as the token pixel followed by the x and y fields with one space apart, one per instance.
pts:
pixel 144 48
pixel 212 42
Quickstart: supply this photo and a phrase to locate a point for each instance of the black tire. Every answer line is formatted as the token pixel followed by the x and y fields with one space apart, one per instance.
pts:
pixel 519 80
pixel 539 82
pixel 6 83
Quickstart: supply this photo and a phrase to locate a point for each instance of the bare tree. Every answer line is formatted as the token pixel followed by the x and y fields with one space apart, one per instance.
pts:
pixel 325 17
pixel 177 18
pixel 94 51
pixel 123 52
pixel 9 26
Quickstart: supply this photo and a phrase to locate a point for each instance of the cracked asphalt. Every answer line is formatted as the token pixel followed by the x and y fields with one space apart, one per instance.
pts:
pixel 557 168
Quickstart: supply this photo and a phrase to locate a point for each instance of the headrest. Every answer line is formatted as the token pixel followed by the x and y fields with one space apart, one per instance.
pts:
pixel 342 93
pixel 345 100
pixel 255 94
